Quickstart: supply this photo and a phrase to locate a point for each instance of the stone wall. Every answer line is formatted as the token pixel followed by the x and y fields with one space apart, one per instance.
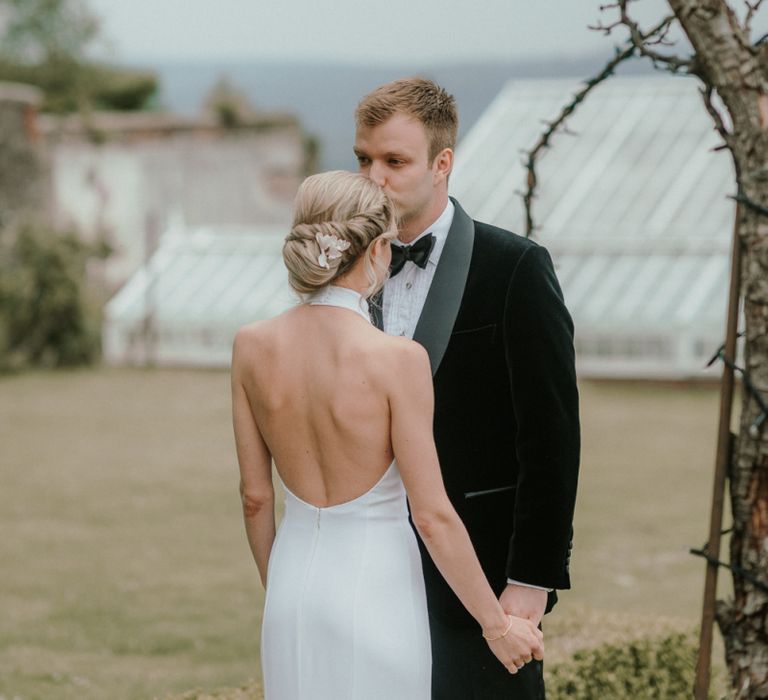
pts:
pixel 127 178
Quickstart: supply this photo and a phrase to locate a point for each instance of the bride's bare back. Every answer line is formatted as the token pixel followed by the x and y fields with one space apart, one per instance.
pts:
pixel 316 381
pixel 332 400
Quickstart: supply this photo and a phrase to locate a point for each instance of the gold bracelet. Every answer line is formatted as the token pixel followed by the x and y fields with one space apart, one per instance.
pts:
pixel 503 634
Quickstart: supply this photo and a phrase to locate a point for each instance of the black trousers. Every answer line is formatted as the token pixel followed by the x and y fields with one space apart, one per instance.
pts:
pixel 464 668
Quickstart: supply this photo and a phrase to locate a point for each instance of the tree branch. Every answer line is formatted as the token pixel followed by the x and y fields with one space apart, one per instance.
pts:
pixel 643 41
pixel 546 137
pixel 542 144
pixel 741 198
pixel 752 8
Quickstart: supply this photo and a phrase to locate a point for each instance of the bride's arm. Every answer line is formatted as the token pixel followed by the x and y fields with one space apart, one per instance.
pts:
pixel 411 399
pixel 256 491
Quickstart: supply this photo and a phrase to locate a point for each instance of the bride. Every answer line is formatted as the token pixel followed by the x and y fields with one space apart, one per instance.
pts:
pixel 345 412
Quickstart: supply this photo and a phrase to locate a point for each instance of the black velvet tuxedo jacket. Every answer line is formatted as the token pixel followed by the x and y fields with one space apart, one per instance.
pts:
pixel 506 423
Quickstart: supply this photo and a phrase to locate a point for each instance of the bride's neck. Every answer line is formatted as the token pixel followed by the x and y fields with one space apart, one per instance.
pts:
pixel 355 279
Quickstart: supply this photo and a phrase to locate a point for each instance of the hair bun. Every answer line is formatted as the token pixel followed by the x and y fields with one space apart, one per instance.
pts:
pixel 338 215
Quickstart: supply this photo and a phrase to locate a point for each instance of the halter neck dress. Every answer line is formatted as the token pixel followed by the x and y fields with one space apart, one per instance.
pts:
pixel 345 616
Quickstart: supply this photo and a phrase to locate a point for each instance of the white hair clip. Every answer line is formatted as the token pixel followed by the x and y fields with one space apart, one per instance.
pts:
pixel 330 248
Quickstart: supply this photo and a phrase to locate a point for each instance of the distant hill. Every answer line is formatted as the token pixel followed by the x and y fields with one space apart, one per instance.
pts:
pixel 325 95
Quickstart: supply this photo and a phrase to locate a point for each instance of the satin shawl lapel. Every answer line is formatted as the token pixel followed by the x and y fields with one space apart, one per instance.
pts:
pixel 441 307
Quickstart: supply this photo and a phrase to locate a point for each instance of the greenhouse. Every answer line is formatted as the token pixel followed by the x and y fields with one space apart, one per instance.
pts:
pixel 199 287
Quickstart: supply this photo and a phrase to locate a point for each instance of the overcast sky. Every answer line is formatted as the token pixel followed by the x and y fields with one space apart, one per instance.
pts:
pixel 359 31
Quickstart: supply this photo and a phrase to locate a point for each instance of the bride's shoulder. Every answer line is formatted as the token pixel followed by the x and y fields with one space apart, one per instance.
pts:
pixel 261 336
pixel 264 329
pixel 250 332
pixel 403 355
pixel 252 336
pixel 401 368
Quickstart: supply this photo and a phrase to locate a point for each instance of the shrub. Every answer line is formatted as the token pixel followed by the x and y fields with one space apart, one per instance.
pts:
pixel 642 669
pixel 45 319
pixel 124 90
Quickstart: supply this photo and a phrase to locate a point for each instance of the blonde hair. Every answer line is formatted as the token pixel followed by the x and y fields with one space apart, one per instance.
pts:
pixel 349 207
pixel 419 98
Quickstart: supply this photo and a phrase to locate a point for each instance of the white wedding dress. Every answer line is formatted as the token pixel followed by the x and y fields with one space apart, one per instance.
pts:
pixel 345 616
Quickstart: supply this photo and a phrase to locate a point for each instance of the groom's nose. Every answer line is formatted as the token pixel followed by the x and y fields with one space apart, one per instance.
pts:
pixel 377 174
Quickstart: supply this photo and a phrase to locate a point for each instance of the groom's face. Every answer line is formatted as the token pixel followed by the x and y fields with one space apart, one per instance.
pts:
pixel 395 155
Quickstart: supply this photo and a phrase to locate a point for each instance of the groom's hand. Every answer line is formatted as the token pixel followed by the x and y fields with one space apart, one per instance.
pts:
pixel 524 601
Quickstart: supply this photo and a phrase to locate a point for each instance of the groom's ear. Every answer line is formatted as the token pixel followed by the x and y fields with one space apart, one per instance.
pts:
pixel 442 165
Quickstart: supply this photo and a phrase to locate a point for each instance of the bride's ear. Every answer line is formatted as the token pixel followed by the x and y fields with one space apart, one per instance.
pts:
pixel 378 245
pixel 381 256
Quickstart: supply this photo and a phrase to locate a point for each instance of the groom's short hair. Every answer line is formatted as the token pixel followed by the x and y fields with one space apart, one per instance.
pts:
pixel 419 98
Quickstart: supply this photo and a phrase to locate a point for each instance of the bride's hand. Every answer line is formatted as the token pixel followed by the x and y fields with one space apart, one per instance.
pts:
pixel 521 643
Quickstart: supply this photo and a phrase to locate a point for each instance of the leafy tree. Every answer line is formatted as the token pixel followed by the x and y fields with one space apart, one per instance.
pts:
pixel 44 31
pixel 45 43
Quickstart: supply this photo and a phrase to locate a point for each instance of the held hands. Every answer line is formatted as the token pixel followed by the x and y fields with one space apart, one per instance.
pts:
pixel 520 640
pixel 516 643
pixel 524 601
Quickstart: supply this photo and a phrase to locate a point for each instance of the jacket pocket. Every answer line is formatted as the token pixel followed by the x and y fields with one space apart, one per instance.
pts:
pixel 487 330
pixel 487 492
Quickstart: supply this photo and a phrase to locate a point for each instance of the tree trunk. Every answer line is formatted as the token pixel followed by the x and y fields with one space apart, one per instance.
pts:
pixel 725 60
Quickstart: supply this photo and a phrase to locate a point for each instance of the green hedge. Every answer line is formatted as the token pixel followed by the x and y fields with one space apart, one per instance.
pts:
pixel 642 669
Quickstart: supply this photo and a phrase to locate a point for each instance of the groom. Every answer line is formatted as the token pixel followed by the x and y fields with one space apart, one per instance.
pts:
pixel 487 306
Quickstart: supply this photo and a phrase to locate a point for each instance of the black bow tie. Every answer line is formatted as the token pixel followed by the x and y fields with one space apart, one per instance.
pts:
pixel 418 253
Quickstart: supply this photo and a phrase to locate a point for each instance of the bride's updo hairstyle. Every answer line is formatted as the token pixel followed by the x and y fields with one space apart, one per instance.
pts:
pixel 338 215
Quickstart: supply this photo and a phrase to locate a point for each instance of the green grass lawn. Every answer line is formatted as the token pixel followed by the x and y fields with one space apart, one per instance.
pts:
pixel 124 570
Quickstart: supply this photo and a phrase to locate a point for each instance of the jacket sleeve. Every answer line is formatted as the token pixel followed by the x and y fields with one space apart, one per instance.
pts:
pixel 538 336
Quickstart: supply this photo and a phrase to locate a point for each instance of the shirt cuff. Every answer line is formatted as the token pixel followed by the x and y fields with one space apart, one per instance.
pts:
pixel 529 585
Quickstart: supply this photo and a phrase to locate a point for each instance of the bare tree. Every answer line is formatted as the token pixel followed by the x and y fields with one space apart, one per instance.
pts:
pixel 732 69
